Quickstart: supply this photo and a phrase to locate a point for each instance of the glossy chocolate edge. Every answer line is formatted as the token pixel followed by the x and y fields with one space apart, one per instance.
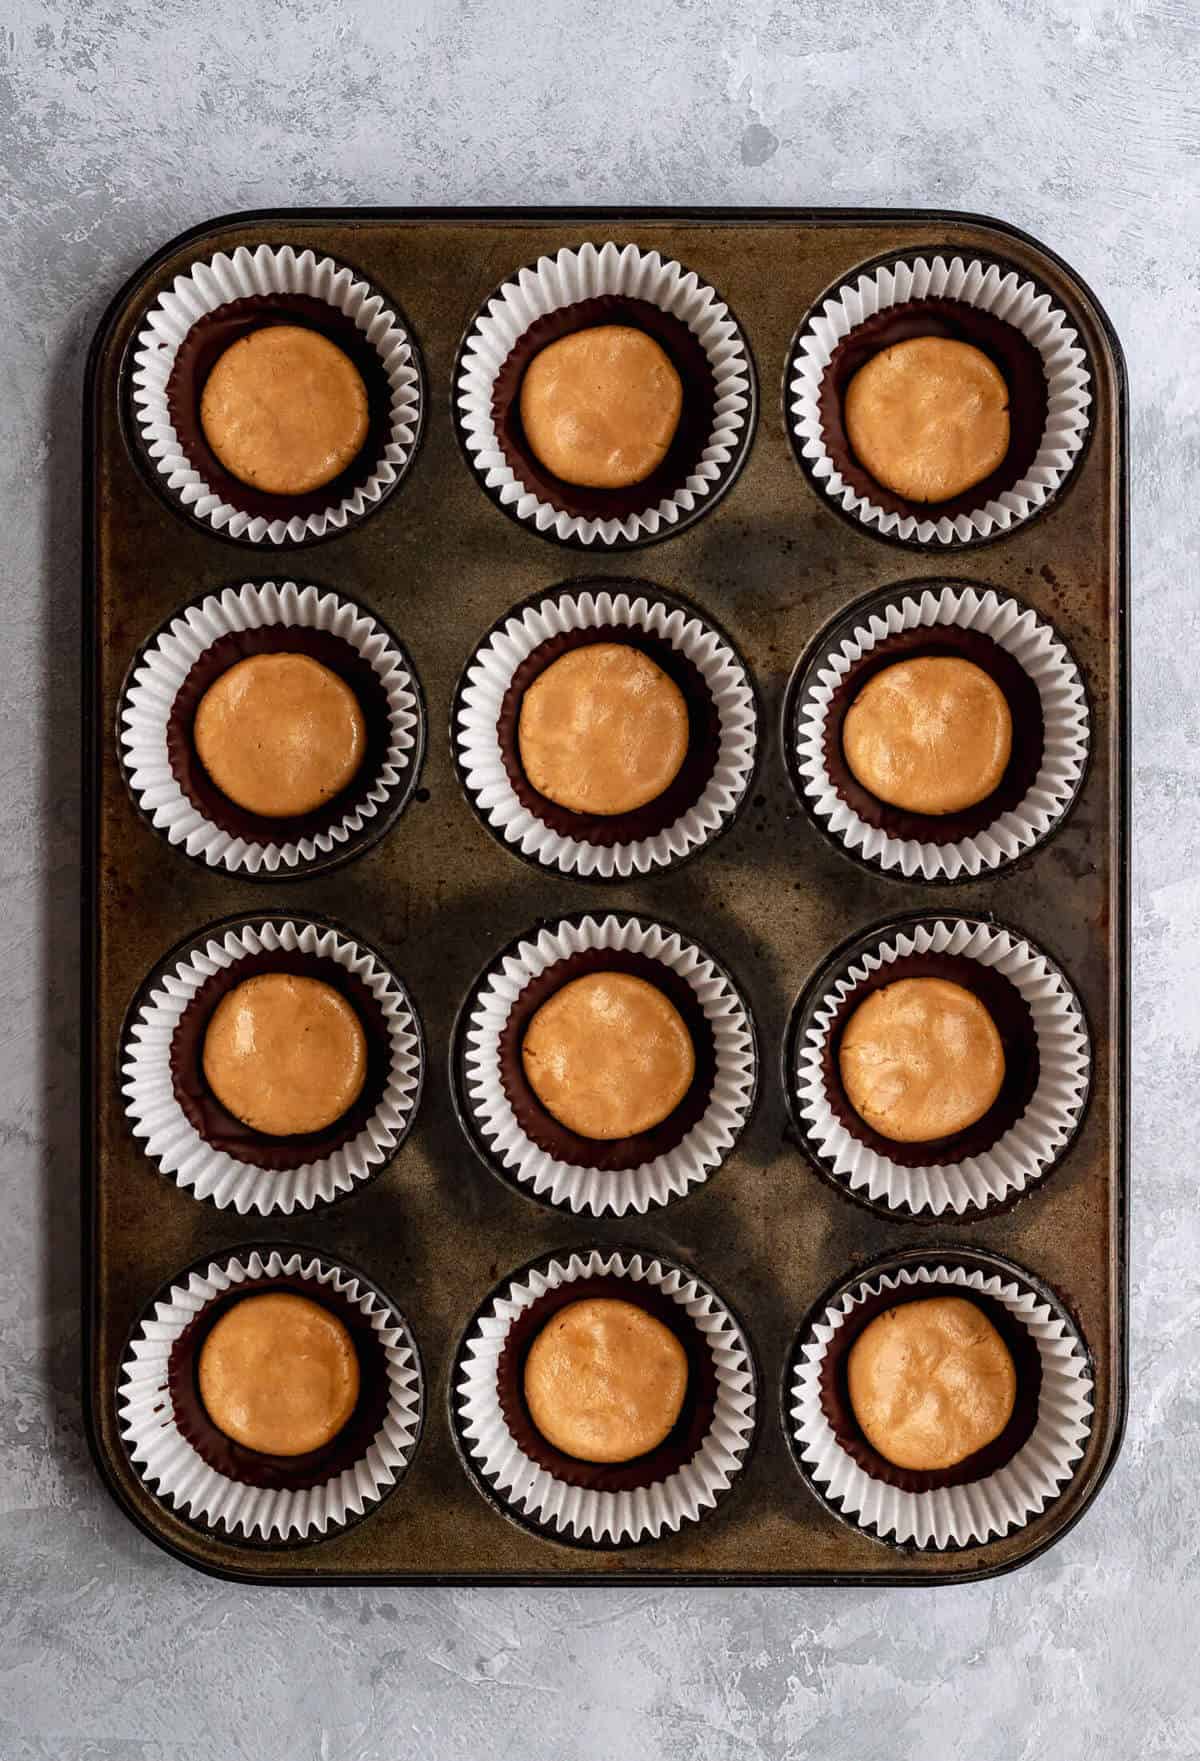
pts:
pixel 839 1411
pixel 1013 1019
pixel 216 331
pixel 1028 733
pixel 542 1129
pixel 215 1124
pixel 695 1419
pixel 691 437
pixel 684 791
pixel 275 1472
pixel 341 658
pixel 1009 350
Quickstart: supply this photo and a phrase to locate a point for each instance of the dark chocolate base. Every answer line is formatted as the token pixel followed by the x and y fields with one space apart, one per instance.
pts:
pixel 704 740
pixel 838 1410
pixel 687 1435
pixel 217 331
pixel 219 1127
pixel 1028 733
pixel 620 1153
pixel 690 361
pixel 1014 1023
pixel 332 652
pixel 280 1472
pixel 1004 345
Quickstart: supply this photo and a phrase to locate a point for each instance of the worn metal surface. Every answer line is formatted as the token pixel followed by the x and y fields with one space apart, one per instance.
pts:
pixel 438 895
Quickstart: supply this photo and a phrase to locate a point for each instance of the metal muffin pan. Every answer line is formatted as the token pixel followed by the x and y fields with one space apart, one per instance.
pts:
pixel 771 563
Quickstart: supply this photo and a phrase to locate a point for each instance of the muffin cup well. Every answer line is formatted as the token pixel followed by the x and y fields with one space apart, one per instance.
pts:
pixel 525 1146
pixel 710 789
pixel 1001 1488
pixel 204 1149
pixel 976 300
pixel 211 307
pixel 575 290
pixel 609 1505
pixel 162 692
pixel 1025 656
pixel 216 1484
pixel 1018 1141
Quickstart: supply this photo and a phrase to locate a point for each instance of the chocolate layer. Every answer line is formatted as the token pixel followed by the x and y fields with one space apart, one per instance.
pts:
pixel 704 740
pixel 1014 1023
pixel 217 331
pixel 690 1429
pixel 280 1472
pixel 687 356
pixel 1028 733
pixel 589 1152
pixel 1005 346
pixel 838 1409
pixel 340 657
pixel 215 1124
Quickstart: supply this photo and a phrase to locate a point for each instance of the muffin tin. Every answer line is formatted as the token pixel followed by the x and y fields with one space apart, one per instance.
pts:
pixel 772 562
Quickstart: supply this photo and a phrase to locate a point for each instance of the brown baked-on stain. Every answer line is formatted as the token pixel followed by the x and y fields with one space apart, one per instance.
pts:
pixel 609 1056
pixel 603 730
pixel 278 1374
pixel 932 735
pixel 1007 348
pixel 928 418
pixel 931 1383
pixel 280 734
pixel 285 1054
pixel 605 1381
pixel 600 407
pixel 921 1060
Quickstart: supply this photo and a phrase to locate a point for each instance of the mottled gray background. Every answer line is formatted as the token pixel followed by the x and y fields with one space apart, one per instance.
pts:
pixel 123 123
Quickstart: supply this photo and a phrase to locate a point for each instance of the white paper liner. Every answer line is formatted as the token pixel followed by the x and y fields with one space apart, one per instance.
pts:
pixel 171 1140
pixel 951 1516
pixel 180 1477
pixel 1036 646
pixel 597 1190
pixel 145 712
pixel 219 281
pixel 564 280
pixel 993 289
pixel 577 1512
pixel 481 762
pixel 1030 1146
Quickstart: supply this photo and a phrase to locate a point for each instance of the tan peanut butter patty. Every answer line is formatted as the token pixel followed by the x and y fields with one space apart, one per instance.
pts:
pixel 928 418
pixel 921 1059
pixel 285 1054
pixel 608 1055
pixel 931 1382
pixel 931 735
pixel 279 1374
pixel 605 1380
pixel 284 409
pixel 280 734
pixel 600 407
pixel 603 730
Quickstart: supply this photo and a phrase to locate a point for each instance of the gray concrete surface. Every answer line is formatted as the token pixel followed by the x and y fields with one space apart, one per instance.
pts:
pixel 120 124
